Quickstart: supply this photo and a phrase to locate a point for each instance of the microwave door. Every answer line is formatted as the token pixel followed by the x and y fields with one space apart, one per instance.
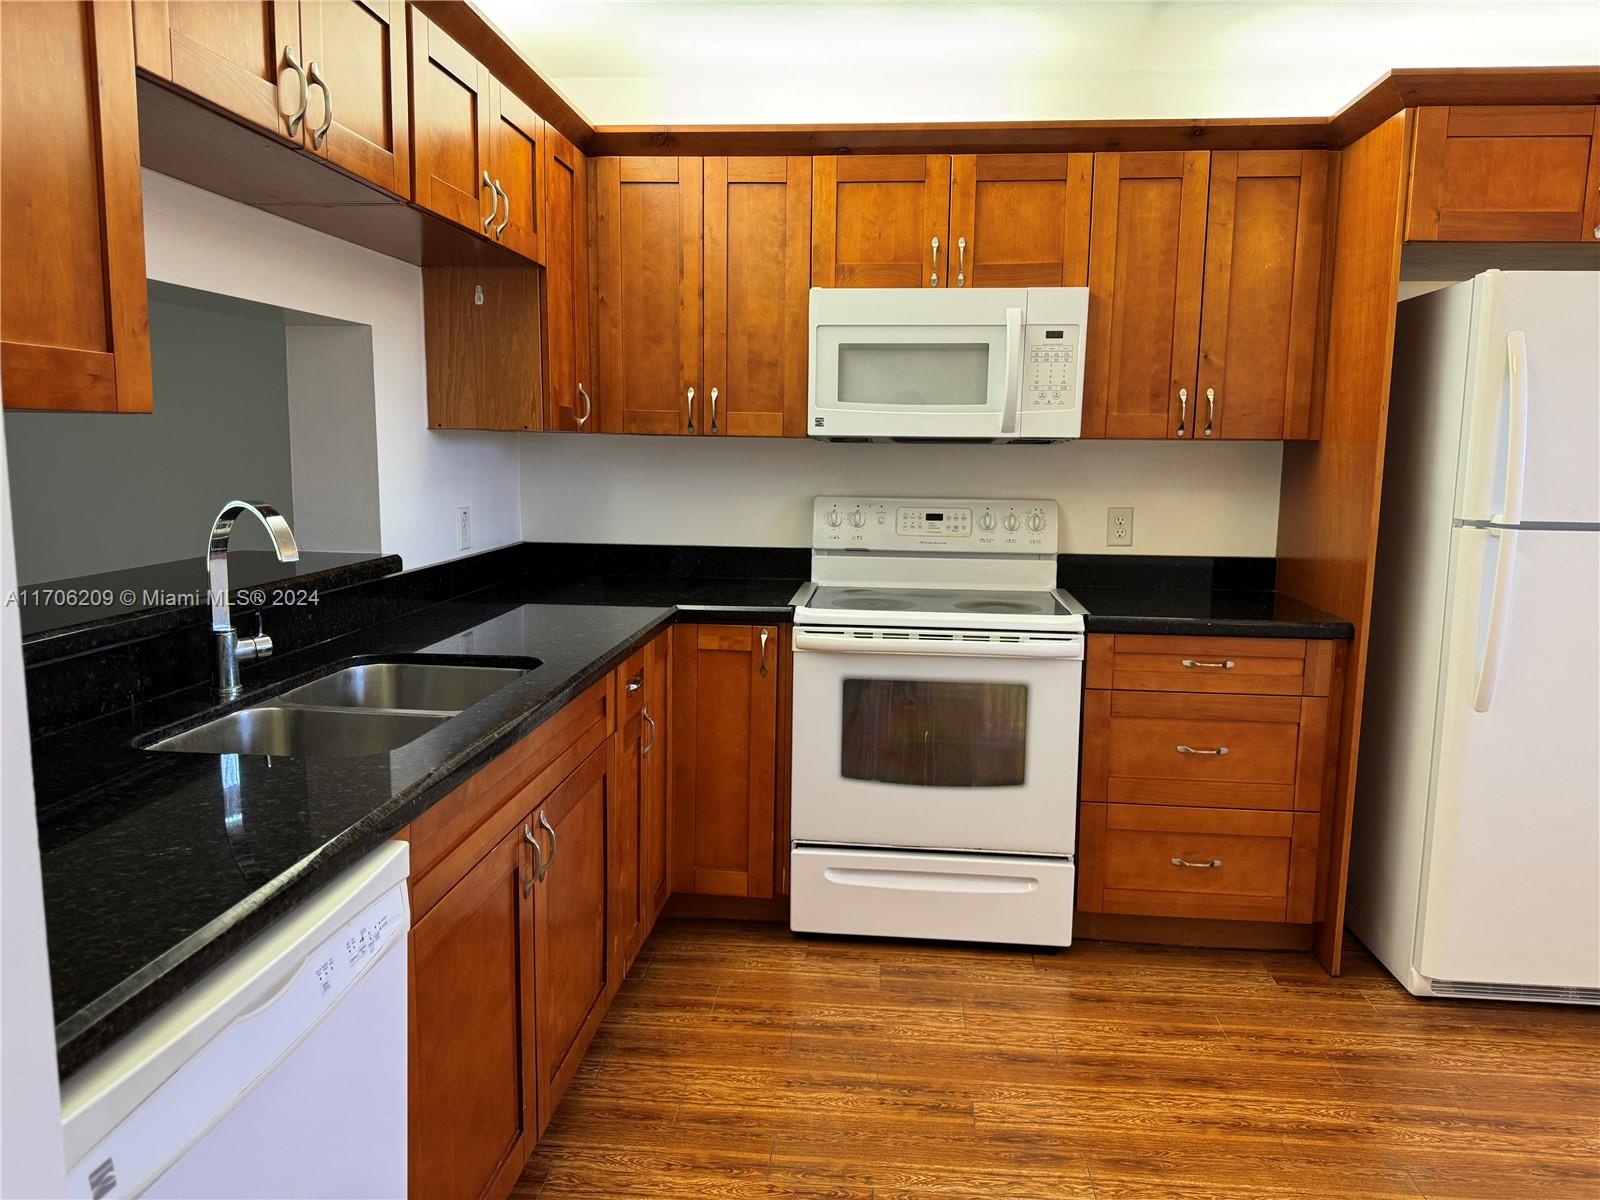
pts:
pixel 912 381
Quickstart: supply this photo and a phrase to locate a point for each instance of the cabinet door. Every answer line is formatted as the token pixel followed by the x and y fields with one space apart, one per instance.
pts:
pixel 757 295
pixel 480 328
pixel 724 754
pixel 1020 220
pixel 473 1080
pixel 1529 173
pixel 74 326
pixel 515 163
pixel 626 916
pixel 355 59
pixel 233 53
pixel 880 220
pixel 1146 265
pixel 450 129
pixel 570 971
pixel 569 387
pixel 1265 233
pixel 655 815
pixel 648 229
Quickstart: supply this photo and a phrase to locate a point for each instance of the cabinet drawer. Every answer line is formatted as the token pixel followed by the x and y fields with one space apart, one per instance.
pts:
pixel 633 684
pixel 1250 666
pixel 1203 749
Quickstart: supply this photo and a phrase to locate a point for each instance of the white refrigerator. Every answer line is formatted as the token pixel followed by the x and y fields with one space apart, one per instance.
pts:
pixel 1475 859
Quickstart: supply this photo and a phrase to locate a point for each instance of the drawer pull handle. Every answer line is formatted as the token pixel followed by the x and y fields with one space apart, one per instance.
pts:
pixel 636 683
pixel 1226 664
pixel 1205 866
pixel 1217 753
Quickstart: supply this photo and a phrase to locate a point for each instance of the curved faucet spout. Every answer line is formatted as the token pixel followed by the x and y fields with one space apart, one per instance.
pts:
pixel 230 648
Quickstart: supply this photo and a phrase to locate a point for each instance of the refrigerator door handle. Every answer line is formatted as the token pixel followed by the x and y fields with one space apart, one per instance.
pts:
pixel 1494 644
pixel 1516 428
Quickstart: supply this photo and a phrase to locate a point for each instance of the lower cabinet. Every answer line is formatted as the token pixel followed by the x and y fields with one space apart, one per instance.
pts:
pixel 725 688
pixel 639 880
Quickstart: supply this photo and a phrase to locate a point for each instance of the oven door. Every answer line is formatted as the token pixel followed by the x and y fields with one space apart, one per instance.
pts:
pixel 943 742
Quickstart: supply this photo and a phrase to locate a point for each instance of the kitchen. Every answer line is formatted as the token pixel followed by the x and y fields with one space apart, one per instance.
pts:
pixel 1083 776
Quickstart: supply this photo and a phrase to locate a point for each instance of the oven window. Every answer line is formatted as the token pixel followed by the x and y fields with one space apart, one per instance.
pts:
pixel 939 374
pixel 927 733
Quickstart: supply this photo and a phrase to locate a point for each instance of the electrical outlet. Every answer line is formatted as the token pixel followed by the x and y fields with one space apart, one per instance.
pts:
pixel 1119 526
pixel 464 528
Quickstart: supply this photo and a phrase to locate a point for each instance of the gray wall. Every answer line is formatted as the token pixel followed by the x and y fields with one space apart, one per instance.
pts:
pixel 96 492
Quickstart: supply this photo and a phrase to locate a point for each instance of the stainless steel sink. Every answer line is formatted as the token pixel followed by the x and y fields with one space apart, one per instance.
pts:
pixel 289 730
pixel 433 687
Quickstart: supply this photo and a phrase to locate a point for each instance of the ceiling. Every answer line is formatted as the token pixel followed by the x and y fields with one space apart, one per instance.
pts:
pixel 646 62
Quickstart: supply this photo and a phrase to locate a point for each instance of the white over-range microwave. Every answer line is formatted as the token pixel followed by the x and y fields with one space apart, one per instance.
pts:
pixel 936 364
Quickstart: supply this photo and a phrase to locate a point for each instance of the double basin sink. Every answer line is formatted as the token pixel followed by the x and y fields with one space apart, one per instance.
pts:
pixel 366 708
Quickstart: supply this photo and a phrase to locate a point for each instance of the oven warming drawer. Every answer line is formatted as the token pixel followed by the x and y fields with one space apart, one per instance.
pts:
pixel 1019 899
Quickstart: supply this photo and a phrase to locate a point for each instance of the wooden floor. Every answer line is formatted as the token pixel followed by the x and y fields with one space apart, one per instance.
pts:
pixel 741 1061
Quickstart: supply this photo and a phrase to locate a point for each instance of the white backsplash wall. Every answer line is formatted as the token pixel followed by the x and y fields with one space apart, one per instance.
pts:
pixel 1219 498
pixel 205 241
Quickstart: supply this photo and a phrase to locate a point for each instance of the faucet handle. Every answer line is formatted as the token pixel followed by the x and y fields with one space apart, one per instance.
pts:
pixel 259 646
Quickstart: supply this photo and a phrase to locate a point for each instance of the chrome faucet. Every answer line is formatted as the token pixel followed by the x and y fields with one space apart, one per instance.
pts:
pixel 229 649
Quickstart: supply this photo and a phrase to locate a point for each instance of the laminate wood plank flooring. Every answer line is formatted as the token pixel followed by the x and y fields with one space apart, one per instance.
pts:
pixel 740 1061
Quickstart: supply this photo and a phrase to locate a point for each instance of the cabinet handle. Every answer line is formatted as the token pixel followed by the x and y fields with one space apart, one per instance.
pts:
pixel 587 407
pixel 299 115
pixel 1183 409
pixel 763 654
pixel 1211 410
pixel 650 721
pixel 933 279
pixel 961 262
pixel 494 202
pixel 636 683
pixel 1215 753
pixel 538 856
pixel 544 823
pixel 1205 866
pixel 713 410
pixel 320 133
pixel 689 404
pixel 1226 664
pixel 505 220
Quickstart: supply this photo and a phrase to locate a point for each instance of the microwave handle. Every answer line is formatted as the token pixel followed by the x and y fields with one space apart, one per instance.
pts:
pixel 1013 378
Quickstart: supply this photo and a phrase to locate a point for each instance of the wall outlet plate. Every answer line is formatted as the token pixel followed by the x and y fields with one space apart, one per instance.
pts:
pixel 1119 526
pixel 464 528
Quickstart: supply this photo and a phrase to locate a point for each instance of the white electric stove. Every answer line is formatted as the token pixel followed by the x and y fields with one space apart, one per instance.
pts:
pixel 937 699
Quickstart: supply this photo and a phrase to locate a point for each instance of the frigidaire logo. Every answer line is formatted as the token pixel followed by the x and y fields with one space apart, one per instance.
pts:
pixel 103 1179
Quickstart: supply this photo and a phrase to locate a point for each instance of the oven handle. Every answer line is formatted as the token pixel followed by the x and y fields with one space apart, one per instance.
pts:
pixel 807 640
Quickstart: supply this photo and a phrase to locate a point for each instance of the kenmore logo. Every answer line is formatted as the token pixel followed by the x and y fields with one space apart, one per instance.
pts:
pixel 103 1179
pixel 816 422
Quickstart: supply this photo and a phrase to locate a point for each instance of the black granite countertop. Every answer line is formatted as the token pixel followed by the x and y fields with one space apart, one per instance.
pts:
pixel 1205 611
pixel 707 601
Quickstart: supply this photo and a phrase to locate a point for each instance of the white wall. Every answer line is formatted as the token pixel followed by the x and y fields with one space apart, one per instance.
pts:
pixel 201 240
pixel 1188 498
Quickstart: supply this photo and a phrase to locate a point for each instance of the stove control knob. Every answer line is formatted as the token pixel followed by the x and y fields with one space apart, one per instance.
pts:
pixel 858 518
pixel 1035 522
pixel 986 521
pixel 1011 521
pixel 834 519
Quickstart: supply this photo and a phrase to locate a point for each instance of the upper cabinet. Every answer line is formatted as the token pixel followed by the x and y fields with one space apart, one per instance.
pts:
pixel 355 61
pixel 1020 220
pixel 1515 174
pixel 450 121
pixel 569 385
pixel 880 220
pixel 74 327
pixel 516 138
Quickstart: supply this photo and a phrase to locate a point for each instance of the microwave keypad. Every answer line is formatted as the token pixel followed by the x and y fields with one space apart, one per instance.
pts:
pixel 1052 371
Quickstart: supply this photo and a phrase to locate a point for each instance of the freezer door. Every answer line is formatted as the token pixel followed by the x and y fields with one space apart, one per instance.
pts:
pixel 1511 882
pixel 1531 441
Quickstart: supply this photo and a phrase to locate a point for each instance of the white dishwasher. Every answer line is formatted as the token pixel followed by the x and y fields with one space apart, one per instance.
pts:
pixel 280 1074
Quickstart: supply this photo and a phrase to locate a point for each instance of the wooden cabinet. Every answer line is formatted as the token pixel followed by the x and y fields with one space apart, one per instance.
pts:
pixel 1206 766
pixel 357 115
pixel 1020 220
pixel 74 325
pixel 756 249
pixel 569 386
pixel 450 121
pixel 1483 173
pixel 880 220
pixel 482 340
pixel 724 758
pixel 571 969
pixel 516 138
pixel 243 56
pixel 1266 236
pixel 1146 269
pixel 473 1084
pixel 647 229
pixel 639 833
